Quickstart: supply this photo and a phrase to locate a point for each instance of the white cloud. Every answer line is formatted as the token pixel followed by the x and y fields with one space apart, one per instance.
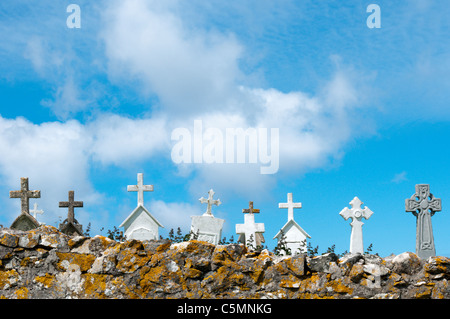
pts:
pixel 189 70
pixel 51 155
pixel 400 177
pixel 195 74
pixel 120 140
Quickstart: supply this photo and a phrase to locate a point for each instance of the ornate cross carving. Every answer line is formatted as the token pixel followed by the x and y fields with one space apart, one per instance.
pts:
pixel 356 213
pixel 210 201
pixel 423 205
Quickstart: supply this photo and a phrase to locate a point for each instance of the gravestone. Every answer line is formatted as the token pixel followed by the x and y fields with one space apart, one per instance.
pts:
pixel 140 224
pixel 423 205
pixel 250 233
pixel 24 221
pixel 36 211
pixel 207 227
pixel 291 233
pixel 70 225
pixel 356 213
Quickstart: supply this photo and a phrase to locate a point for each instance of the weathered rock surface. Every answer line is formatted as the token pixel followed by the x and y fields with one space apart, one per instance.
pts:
pixel 44 263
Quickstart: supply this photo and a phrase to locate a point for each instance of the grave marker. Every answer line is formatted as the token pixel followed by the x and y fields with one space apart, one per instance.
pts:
pixel 24 221
pixel 356 213
pixel 140 224
pixel 35 211
pixel 250 233
pixel 294 235
pixel 423 205
pixel 207 227
pixel 70 225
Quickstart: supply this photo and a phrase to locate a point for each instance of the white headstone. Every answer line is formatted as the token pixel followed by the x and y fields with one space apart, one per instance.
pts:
pixel 140 224
pixel 294 235
pixel 207 227
pixel 356 213
pixel 250 233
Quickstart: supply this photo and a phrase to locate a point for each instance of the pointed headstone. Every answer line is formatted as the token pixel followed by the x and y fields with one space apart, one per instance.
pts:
pixel 250 233
pixel 24 221
pixel 207 227
pixel 140 224
pixel 356 213
pixel 291 233
pixel 70 226
pixel 423 205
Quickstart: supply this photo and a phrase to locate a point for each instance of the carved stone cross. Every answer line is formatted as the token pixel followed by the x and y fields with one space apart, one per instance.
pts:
pixel 71 204
pixel 35 210
pixel 210 201
pixel 24 194
pixel 140 188
pixel 290 205
pixel 423 205
pixel 356 213
pixel 250 210
pixel 250 230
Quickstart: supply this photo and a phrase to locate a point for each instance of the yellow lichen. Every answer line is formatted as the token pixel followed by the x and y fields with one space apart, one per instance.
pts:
pixel 94 285
pixel 8 277
pixel 47 280
pixel 85 261
pixel 21 293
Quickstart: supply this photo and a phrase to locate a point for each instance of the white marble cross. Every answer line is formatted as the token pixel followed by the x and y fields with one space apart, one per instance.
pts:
pixel 356 213
pixel 35 210
pixel 210 201
pixel 290 205
pixel 140 188
pixel 250 229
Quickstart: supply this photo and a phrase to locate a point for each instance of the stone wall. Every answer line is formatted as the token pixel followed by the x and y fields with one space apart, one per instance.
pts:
pixel 44 263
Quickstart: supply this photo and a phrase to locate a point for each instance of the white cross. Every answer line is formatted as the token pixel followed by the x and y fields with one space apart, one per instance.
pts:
pixel 290 205
pixel 35 211
pixel 210 201
pixel 140 188
pixel 356 213
pixel 250 228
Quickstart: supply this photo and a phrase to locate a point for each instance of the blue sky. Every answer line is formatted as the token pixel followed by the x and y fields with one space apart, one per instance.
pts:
pixel 360 112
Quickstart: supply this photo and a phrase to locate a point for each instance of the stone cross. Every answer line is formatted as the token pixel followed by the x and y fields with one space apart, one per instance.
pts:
pixel 71 204
pixel 290 205
pixel 423 205
pixel 24 194
pixel 210 201
pixel 356 213
pixel 140 188
pixel 250 229
pixel 250 210
pixel 35 210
